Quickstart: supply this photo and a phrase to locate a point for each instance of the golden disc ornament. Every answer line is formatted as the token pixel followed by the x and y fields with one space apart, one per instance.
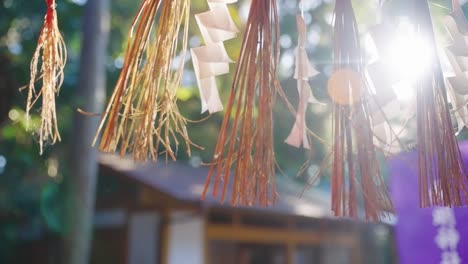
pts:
pixel 345 87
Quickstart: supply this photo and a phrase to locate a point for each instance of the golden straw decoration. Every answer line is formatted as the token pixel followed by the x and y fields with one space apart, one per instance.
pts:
pixel 142 115
pixel 50 56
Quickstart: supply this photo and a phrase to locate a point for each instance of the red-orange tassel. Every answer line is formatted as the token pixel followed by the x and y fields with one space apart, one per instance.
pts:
pixel 353 154
pixel 442 174
pixel 245 142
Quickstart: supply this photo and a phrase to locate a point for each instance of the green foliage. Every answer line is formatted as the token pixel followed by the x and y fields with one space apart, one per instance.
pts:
pixel 30 185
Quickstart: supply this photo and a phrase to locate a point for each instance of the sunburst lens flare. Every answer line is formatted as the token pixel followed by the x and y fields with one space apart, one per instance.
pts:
pixel 408 57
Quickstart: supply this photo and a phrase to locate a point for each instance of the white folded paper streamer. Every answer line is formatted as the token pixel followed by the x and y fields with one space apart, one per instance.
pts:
pixel 303 72
pixel 457 54
pixel 212 59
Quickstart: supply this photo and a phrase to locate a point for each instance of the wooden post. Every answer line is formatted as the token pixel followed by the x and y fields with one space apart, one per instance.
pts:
pixel 290 251
pixel 166 220
pixel 206 240
pixel 291 245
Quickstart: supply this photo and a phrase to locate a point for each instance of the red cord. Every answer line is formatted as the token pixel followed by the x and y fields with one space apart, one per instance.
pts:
pixel 50 10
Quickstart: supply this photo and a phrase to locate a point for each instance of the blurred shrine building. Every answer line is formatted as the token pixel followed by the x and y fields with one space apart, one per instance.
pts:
pixel 152 214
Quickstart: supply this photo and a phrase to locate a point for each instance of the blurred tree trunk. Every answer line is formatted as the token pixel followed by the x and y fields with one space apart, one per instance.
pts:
pixel 80 187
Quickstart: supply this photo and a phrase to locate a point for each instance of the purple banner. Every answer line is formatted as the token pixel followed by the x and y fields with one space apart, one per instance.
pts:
pixel 430 235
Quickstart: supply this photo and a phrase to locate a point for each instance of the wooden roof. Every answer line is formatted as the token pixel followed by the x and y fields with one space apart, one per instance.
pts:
pixel 185 183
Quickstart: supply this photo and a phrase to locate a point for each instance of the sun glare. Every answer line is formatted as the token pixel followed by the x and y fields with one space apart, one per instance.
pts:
pixel 408 57
pixel 404 90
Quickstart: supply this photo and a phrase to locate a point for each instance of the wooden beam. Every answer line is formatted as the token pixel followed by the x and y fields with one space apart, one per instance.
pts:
pixel 291 223
pixel 149 196
pixel 275 236
pixel 236 218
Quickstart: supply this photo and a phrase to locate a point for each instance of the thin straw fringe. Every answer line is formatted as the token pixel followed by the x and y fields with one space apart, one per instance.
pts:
pixel 245 143
pixel 353 152
pixel 442 173
pixel 52 53
pixel 142 114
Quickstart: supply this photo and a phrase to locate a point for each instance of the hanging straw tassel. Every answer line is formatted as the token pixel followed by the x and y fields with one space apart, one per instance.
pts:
pixel 51 51
pixel 353 150
pixel 142 114
pixel 246 145
pixel 442 174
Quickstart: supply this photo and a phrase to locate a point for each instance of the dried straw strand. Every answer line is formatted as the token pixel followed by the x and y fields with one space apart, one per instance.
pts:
pixel 353 152
pixel 245 142
pixel 52 54
pixel 442 173
pixel 142 115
